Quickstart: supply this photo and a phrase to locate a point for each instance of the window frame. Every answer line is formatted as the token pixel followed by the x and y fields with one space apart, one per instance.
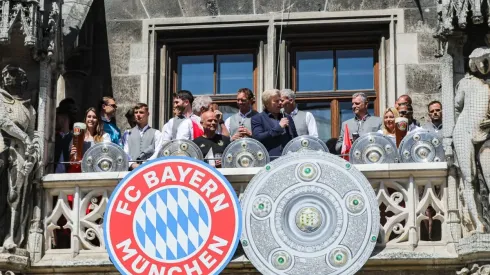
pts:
pixel 217 98
pixel 335 97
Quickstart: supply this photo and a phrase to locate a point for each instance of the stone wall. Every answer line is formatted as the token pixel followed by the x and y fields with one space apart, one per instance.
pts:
pixel 417 68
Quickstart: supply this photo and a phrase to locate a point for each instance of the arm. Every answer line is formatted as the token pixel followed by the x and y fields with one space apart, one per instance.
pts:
pixel 227 124
pixel 167 130
pixel 338 146
pixel 126 144
pixel 224 129
pixel 159 141
pixel 311 122
pixel 261 133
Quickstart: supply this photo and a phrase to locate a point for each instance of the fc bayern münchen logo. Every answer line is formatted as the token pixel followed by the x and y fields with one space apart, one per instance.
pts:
pixel 173 215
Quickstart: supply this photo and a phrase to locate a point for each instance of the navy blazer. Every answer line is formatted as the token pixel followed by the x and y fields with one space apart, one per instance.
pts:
pixel 266 129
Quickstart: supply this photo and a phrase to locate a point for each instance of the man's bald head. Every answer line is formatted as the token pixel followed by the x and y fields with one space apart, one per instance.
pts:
pixel 403 100
pixel 209 122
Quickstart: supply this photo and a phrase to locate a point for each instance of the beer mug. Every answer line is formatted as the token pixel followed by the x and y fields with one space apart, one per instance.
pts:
pixel 79 129
pixel 401 129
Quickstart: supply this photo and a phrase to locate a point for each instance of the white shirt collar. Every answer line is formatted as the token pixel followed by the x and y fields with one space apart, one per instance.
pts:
pixel 142 130
pixel 294 112
pixel 245 115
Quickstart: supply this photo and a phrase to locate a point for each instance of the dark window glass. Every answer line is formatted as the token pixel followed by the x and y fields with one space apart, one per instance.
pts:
pixel 346 111
pixel 196 74
pixel 314 71
pixel 234 71
pixel 323 117
pixel 355 69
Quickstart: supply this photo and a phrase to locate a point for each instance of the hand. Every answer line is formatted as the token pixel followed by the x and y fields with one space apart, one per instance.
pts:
pixel 236 136
pixel 73 150
pixel 134 165
pixel 219 115
pixel 284 122
pixel 244 131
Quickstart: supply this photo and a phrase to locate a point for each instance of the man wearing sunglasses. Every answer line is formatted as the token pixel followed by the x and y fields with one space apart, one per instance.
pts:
pixel 108 109
pixel 435 115
pixel 406 111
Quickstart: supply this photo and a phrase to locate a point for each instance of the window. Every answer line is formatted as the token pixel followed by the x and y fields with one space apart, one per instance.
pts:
pixel 216 74
pixel 325 78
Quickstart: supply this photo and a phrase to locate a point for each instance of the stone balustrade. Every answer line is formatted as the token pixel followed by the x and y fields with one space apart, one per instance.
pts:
pixel 412 199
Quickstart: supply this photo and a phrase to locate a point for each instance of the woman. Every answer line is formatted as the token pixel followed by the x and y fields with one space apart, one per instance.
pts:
pixel 94 134
pixel 388 127
pixel 271 127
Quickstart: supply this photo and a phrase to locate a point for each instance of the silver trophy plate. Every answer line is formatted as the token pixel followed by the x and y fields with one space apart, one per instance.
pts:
pixel 309 213
pixel 373 148
pixel 421 146
pixel 245 153
pixel 305 143
pixel 105 157
pixel 181 147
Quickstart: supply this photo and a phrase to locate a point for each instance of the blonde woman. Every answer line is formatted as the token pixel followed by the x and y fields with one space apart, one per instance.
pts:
pixel 388 127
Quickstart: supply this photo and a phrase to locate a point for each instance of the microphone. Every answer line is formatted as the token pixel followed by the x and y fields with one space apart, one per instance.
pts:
pixel 282 112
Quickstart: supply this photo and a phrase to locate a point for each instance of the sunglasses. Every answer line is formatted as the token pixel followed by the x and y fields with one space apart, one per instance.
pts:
pixel 435 111
pixel 112 105
pixel 404 113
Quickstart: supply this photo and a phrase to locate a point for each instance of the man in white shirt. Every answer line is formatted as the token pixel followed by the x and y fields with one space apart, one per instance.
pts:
pixel 144 142
pixel 304 121
pixel 191 127
pixel 182 110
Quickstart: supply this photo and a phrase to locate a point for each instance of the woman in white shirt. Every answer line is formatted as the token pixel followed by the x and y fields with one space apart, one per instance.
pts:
pixel 388 127
pixel 94 134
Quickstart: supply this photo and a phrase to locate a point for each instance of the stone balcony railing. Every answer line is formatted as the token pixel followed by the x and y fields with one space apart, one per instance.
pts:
pixel 412 199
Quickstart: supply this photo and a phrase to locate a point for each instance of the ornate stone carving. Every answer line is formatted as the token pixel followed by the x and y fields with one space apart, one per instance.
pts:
pixel 21 155
pixel 469 109
pixel 475 270
pixel 25 11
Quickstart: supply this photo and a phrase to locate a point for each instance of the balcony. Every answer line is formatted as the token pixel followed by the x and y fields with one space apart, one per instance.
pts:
pixel 412 197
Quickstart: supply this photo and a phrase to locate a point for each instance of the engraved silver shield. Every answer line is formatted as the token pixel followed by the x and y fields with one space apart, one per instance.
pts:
pixel 245 153
pixel 421 146
pixel 105 157
pixel 309 212
pixel 373 148
pixel 181 147
pixel 304 143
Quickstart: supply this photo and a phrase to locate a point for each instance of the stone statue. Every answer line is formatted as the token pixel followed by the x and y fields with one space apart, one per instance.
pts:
pixel 22 151
pixel 471 108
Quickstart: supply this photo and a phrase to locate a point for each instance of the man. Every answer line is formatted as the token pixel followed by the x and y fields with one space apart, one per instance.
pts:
pixel 304 121
pixel 435 115
pixel 191 127
pixel 63 137
pixel 406 111
pixel 239 125
pixel 143 142
pixel 362 122
pixel 405 100
pixel 108 109
pixel 210 140
pixel 272 128
pixel 182 109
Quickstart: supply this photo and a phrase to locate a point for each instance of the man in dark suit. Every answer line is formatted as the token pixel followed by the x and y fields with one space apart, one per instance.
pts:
pixel 271 127
pixel 63 137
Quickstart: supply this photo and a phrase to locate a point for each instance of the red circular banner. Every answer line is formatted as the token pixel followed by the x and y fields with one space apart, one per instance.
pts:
pixel 173 215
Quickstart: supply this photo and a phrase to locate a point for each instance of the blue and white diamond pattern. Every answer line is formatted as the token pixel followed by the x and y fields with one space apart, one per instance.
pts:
pixel 172 223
